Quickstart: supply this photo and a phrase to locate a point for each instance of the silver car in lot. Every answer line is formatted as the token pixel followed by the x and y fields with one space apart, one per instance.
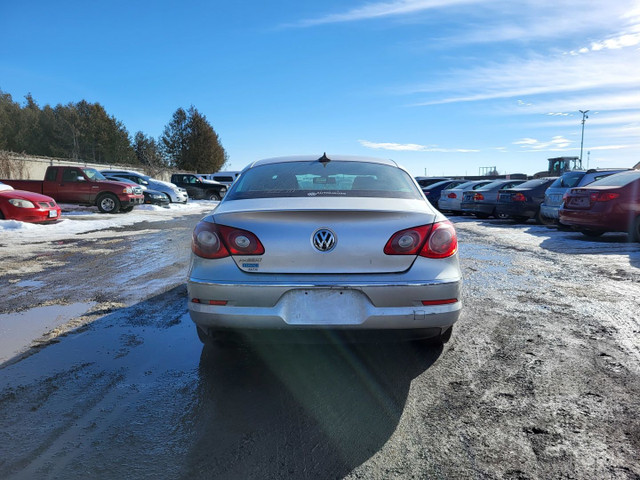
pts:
pixel 174 193
pixel 340 244
pixel 451 198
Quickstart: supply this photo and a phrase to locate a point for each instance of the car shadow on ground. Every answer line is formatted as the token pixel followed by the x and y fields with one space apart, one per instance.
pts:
pixel 287 410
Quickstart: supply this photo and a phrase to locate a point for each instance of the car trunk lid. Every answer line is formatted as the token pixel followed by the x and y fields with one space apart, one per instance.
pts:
pixel 302 235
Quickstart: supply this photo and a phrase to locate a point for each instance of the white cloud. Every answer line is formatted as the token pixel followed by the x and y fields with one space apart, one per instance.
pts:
pixel 383 9
pixel 412 147
pixel 556 144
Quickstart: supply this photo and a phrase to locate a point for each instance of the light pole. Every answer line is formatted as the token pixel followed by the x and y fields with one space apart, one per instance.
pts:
pixel 584 119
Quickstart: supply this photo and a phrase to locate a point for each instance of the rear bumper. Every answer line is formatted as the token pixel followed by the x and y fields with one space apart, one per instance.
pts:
pixel 517 210
pixel 597 221
pixel 353 307
pixel 549 211
pixel 447 204
pixel 473 207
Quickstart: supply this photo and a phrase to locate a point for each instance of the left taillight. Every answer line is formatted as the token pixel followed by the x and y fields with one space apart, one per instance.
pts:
pixel 211 240
pixel 432 241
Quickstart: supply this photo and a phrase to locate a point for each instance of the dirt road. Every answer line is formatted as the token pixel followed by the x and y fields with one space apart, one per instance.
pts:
pixel 540 380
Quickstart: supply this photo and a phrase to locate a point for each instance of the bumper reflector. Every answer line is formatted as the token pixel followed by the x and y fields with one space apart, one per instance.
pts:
pixel 439 302
pixel 210 302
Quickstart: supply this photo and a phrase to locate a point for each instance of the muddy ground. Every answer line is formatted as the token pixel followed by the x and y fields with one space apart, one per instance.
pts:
pixel 540 380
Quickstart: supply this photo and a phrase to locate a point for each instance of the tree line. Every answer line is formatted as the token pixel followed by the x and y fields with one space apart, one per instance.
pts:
pixel 85 131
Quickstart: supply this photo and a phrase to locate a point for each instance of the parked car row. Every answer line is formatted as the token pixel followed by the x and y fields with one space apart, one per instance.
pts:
pixel 112 191
pixel 593 201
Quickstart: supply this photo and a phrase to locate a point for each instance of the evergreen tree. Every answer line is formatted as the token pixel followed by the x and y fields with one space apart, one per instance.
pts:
pixel 189 142
pixel 9 122
pixel 146 150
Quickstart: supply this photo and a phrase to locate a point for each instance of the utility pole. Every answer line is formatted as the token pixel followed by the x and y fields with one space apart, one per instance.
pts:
pixel 584 119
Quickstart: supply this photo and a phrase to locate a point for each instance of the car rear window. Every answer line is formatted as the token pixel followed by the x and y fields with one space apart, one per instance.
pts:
pixel 534 183
pixel 617 180
pixel 335 178
pixel 568 180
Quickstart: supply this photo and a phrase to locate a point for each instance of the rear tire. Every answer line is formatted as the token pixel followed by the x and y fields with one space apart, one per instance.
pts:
pixel 126 209
pixel 213 196
pixel 217 338
pixel 108 203
pixel 520 219
pixel 541 219
pixel 445 336
pixel 204 337
pixel 482 216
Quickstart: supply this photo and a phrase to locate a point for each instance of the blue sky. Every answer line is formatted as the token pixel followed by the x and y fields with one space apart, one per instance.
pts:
pixel 441 86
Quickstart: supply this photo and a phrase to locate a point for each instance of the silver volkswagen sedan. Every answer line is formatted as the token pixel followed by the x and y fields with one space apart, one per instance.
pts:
pixel 342 244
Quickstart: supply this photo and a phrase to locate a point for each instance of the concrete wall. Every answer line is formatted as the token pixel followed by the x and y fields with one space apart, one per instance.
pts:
pixel 29 167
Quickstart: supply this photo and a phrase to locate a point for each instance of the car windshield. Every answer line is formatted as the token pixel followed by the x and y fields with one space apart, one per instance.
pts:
pixel 335 178
pixel 617 180
pixel 93 174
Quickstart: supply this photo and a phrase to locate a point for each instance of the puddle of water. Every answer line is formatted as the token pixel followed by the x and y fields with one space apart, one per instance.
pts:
pixel 29 283
pixel 18 330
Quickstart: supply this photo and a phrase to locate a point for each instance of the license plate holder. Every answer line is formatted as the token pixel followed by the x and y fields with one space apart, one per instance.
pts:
pixel 324 306
pixel 579 202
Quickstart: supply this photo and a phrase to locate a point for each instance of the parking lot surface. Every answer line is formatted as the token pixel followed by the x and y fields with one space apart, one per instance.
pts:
pixel 541 378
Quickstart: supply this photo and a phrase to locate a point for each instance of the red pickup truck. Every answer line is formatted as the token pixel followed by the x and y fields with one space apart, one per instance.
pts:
pixel 83 186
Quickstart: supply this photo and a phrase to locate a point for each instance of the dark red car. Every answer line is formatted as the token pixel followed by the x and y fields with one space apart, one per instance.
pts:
pixel 27 206
pixel 611 204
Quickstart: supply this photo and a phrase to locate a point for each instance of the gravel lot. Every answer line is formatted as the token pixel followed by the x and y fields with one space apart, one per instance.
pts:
pixel 540 380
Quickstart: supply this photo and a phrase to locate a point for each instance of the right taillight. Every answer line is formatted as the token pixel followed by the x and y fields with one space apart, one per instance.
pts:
pixel 442 241
pixel 478 197
pixel 432 241
pixel 210 240
pixel 519 197
pixel 603 196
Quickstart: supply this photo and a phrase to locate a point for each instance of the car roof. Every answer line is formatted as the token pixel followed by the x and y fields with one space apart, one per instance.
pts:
pixel 312 158
pixel 126 172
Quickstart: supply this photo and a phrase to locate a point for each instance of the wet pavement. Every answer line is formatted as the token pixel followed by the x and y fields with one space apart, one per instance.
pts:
pixel 540 380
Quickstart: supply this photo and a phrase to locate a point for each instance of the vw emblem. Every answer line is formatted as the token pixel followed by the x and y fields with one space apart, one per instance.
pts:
pixel 324 240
